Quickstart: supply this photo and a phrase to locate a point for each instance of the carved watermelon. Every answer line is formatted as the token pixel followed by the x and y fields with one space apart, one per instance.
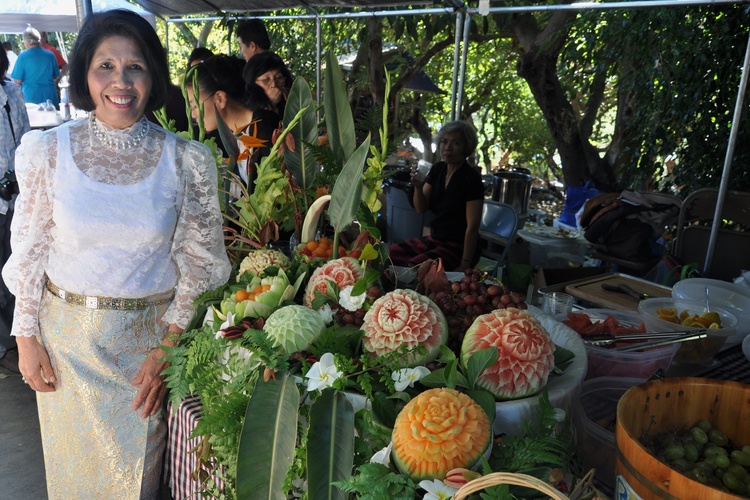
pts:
pixel 437 431
pixel 525 352
pixel 405 318
pixel 344 272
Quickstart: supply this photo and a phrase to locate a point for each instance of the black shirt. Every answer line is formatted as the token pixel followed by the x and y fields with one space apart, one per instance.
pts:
pixel 449 203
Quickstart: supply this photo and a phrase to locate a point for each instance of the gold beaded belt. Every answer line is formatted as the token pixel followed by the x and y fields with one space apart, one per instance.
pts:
pixel 110 302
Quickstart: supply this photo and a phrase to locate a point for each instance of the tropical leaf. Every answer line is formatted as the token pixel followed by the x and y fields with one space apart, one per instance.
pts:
pixel 347 192
pixel 228 139
pixel 330 446
pixel 339 120
pixel 268 440
pixel 302 162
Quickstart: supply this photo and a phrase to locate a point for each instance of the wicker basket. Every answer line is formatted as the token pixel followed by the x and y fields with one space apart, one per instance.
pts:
pixel 497 478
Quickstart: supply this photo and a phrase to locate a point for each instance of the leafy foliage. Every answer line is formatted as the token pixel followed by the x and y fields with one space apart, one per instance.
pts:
pixel 545 443
pixel 376 482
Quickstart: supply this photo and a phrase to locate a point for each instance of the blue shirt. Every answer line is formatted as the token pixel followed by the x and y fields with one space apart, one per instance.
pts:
pixel 37 69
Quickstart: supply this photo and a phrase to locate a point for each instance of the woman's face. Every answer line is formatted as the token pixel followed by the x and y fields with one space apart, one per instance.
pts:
pixel 209 112
pixel 119 82
pixel 452 148
pixel 272 82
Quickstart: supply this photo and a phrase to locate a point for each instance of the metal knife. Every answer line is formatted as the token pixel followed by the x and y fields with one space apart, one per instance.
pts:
pixel 627 289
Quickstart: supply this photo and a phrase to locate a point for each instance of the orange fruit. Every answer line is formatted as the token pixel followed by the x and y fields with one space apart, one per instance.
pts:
pixel 311 245
pixel 241 295
pixel 320 251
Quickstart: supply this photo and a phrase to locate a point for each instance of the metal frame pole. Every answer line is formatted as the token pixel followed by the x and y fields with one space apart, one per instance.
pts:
pixel 456 55
pixel 716 225
pixel 462 73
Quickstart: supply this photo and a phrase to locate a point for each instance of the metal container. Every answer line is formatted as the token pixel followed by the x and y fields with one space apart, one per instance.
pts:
pixel 514 188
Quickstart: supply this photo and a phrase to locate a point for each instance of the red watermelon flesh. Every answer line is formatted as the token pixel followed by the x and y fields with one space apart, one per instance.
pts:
pixel 525 352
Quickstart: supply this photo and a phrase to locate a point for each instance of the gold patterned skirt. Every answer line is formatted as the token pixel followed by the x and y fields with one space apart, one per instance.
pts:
pixel 95 445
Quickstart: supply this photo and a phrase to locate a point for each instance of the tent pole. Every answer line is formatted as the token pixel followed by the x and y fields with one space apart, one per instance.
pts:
pixel 318 73
pixel 456 54
pixel 727 163
pixel 83 9
pixel 464 56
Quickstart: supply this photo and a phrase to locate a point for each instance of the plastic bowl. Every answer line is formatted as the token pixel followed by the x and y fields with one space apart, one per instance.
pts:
pixel 606 362
pixel 594 413
pixel 721 294
pixel 693 351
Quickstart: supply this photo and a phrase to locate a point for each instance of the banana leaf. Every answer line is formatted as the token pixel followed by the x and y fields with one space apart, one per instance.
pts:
pixel 267 443
pixel 347 192
pixel 330 446
pixel 339 120
pixel 302 162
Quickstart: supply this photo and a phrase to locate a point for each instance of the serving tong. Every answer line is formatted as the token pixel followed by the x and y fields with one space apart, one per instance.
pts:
pixel 659 339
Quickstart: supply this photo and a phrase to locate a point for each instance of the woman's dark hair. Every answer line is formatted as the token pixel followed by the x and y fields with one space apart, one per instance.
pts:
pixel 118 22
pixel 222 72
pixel 198 54
pixel 4 65
pixel 263 63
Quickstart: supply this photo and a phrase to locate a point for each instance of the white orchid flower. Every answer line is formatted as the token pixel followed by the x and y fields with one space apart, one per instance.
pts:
pixel 383 457
pixel 326 313
pixel 229 322
pixel 405 377
pixel 351 302
pixel 437 490
pixel 322 374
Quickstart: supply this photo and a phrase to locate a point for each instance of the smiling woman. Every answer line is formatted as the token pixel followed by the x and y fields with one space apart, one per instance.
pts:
pixel 117 230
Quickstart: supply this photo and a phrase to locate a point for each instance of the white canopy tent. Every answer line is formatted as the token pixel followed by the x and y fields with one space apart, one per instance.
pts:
pixel 54 15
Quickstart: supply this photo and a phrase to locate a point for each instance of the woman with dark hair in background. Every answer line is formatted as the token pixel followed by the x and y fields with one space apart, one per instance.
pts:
pixel 268 71
pixel 198 55
pixel 117 231
pixel 453 190
pixel 244 108
pixel 14 123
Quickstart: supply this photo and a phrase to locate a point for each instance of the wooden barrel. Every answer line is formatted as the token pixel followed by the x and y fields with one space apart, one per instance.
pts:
pixel 661 405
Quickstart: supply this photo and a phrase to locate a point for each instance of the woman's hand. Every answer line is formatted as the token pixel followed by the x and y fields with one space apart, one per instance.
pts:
pixel 149 380
pixel 34 365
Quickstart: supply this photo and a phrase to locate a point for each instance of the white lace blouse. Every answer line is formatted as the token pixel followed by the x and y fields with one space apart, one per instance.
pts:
pixel 115 222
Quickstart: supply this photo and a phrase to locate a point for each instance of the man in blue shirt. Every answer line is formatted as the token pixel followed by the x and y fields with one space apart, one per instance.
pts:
pixel 36 70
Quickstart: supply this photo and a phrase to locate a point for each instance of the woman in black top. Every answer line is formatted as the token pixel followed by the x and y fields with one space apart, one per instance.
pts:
pixel 242 107
pixel 453 191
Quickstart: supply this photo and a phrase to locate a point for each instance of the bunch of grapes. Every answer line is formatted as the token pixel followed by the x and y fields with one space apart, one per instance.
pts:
pixel 473 295
pixel 357 318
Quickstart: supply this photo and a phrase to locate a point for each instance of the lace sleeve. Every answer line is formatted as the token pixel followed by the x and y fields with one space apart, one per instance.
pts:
pixel 198 248
pixel 24 273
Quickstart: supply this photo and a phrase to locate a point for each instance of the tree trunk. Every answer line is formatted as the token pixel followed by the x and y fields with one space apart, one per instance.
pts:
pixel 538 54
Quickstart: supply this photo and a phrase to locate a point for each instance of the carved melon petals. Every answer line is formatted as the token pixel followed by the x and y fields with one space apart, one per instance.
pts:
pixel 437 431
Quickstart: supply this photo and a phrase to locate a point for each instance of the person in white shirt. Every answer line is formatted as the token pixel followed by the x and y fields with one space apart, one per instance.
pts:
pixel 117 230
pixel 8 48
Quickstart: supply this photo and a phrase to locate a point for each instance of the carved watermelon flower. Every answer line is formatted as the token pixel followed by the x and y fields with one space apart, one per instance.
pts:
pixel 525 352
pixel 437 431
pixel 405 318
pixel 258 260
pixel 344 272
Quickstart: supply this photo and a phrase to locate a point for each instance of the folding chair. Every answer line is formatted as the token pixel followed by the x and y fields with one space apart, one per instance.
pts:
pixel 498 228
pixel 732 250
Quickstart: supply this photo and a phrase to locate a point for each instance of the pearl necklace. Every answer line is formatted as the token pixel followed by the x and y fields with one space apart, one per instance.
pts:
pixel 116 143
